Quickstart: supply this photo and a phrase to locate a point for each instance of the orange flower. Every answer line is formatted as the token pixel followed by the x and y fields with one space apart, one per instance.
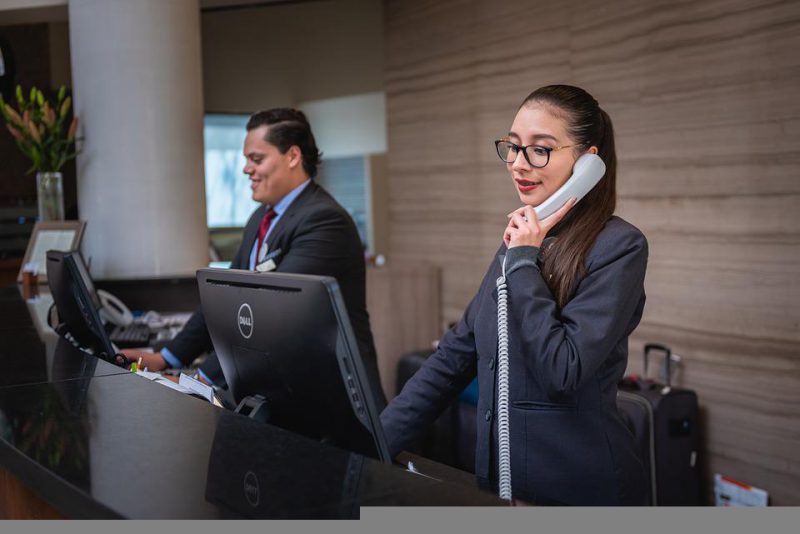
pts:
pixel 15 118
pixel 34 132
pixel 48 116
pixel 14 133
pixel 72 129
pixel 65 107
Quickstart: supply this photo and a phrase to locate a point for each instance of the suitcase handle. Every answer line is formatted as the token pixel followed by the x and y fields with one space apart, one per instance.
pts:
pixel 663 348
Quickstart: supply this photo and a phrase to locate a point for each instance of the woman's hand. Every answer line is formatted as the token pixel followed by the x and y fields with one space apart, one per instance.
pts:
pixel 525 229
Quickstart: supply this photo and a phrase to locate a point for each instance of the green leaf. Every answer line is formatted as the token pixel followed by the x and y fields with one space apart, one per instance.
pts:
pixel 54 159
pixel 24 149
pixel 61 92
pixel 36 157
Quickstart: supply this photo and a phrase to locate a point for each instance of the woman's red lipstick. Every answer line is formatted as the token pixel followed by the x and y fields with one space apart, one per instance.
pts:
pixel 526 186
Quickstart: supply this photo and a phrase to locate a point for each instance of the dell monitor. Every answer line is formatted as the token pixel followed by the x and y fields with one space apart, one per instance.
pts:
pixel 286 340
pixel 78 306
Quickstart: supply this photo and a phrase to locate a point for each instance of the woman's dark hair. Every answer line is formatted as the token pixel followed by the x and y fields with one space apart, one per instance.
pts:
pixel 563 261
pixel 286 128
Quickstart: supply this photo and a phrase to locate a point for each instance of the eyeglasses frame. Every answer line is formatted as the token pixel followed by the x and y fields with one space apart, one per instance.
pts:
pixel 524 149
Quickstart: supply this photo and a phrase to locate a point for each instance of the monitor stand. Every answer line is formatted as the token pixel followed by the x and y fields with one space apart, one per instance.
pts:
pixel 255 407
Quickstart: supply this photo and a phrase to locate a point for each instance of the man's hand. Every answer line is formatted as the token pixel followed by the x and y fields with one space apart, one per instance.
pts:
pixel 153 361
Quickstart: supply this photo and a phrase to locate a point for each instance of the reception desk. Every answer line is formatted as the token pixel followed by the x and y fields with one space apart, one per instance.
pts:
pixel 82 438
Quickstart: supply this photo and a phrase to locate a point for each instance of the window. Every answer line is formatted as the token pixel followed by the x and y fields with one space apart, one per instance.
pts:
pixel 228 202
pixel 345 179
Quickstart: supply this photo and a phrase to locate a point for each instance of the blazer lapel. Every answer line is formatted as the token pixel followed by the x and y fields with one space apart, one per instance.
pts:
pixel 285 223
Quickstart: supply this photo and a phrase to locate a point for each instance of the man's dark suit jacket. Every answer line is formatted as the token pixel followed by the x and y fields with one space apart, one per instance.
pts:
pixel 315 235
pixel 568 441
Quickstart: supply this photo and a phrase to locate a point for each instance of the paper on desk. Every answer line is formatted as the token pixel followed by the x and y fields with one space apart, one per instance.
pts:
pixel 149 375
pixel 198 387
pixel 159 379
pixel 187 385
pixel 170 384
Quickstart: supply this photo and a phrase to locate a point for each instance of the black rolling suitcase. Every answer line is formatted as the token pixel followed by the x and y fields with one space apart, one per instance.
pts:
pixel 665 422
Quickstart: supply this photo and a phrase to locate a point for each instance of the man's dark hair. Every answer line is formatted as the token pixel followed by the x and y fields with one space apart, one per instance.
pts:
pixel 287 127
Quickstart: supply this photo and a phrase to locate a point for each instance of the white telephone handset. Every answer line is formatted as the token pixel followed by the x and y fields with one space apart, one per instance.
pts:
pixel 113 310
pixel 588 170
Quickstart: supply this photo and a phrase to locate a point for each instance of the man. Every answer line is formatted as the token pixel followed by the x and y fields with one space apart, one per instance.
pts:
pixel 299 228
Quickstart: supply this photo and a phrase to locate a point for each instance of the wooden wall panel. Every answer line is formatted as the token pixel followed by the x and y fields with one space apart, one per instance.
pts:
pixel 405 314
pixel 703 95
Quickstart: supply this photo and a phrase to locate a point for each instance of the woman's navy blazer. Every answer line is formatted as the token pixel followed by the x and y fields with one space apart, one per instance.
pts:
pixel 568 441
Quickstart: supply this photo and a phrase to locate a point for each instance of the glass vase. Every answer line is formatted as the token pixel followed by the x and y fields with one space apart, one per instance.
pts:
pixel 50 196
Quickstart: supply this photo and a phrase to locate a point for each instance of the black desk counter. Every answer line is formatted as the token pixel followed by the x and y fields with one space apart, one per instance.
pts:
pixel 96 441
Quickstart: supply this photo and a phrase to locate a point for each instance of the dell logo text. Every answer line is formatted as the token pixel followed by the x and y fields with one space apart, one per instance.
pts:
pixel 245 320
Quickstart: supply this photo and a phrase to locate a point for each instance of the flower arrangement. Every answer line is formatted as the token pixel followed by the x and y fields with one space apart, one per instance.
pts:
pixel 40 129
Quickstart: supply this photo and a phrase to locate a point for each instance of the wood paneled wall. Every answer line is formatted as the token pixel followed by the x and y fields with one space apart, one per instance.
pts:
pixel 704 98
pixel 403 300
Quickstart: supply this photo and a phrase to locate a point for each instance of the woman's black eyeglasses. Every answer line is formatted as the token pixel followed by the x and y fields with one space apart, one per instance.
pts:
pixel 536 155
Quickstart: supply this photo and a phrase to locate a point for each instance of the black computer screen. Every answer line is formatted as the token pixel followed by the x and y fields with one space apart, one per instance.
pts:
pixel 83 271
pixel 77 303
pixel 288 338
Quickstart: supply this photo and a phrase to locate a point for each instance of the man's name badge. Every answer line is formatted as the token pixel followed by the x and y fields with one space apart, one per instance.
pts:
pixel 267 266
pixel 267 262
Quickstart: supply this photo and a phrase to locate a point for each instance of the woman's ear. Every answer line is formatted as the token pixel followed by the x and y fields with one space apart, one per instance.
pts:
pixel 592 150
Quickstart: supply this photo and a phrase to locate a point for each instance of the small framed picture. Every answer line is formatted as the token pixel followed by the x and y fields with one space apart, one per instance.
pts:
pixel 51 235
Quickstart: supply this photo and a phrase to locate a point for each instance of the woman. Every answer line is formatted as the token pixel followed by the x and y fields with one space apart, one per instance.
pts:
pixel 575 293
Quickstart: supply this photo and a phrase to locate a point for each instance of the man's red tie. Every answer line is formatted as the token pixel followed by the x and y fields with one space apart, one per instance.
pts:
pixel 264 228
